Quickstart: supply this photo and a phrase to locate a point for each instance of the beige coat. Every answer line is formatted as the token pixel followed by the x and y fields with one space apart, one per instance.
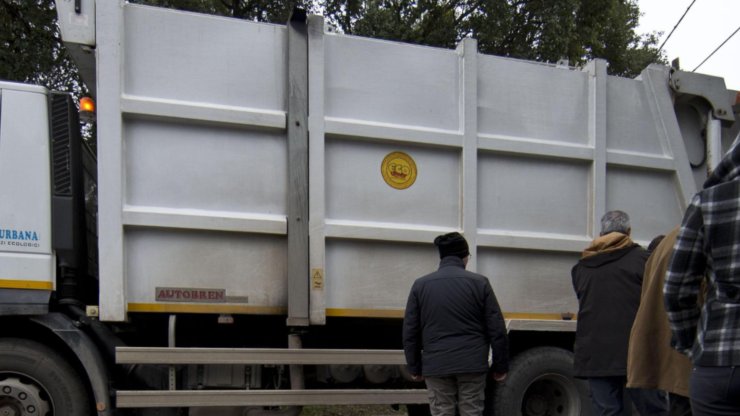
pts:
pixel 651 362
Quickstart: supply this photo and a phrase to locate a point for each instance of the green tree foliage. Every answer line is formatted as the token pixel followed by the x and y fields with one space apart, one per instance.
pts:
pixel 31 48
pixel 541 30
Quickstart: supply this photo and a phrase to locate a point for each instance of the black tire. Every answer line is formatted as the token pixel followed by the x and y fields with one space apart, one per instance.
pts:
pixel 35 380
pixel 540 382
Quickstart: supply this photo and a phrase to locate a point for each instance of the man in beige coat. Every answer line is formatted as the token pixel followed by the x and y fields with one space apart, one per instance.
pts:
pixel 651 362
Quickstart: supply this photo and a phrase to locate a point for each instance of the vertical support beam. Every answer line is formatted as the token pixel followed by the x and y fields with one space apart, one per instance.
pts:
pixel 109 32
pixel 597 139
pixel 316 168
pixel 468 52
pixel 296 371
pixel 297 128
pixel 658 92
pixel 172 343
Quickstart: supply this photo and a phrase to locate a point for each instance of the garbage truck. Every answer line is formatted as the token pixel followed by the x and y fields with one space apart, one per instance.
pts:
pixel 262 197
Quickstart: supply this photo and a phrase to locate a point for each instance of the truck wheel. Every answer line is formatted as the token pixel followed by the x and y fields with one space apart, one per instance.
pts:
pixel 35 380
pixel 540 382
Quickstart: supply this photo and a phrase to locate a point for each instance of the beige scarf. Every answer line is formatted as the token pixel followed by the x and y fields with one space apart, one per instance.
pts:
pixel 607 243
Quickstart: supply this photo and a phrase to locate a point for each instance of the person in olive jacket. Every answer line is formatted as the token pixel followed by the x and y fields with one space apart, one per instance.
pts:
pixel 452 320
pixel 651 362
pixel 608 283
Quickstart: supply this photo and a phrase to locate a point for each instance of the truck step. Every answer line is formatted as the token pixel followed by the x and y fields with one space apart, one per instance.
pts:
pixel 173 356
pixel 204 398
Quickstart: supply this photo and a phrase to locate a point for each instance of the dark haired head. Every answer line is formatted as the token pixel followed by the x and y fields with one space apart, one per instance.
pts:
pixel 452 244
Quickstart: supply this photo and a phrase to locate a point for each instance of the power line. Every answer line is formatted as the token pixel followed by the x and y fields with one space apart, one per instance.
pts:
pixel 674 27
pixel 718 47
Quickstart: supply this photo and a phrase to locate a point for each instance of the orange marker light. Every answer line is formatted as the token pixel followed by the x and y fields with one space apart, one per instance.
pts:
pixel 87 105
pixel 87 110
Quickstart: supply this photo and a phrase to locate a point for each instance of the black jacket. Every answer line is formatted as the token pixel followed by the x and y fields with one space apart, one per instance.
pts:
pixel 608 286
pixel 452 317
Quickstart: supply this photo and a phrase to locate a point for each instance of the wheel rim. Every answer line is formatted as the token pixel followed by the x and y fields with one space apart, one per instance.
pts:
pixel 551 395
pixel 22 396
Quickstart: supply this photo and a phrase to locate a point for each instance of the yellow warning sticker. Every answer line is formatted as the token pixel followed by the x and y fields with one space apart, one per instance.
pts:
pixel 317 278
pixel 399 170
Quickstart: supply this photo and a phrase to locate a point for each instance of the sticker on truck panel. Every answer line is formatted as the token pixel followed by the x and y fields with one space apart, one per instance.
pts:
pixel 19 238
pixel 179 294
pixel 317 278
pixel 399 170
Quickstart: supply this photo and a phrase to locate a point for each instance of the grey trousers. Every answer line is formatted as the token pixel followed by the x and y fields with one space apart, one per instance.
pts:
pixel 464 392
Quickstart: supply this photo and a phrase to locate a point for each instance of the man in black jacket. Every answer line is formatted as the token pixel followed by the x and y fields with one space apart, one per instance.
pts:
pixel 608 283
pixel 452 319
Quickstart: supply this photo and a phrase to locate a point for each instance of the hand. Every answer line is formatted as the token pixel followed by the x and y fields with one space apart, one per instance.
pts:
pixel 499 377
pixel 417 377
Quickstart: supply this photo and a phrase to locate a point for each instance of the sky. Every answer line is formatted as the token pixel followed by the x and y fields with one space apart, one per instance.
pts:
pixel 706 25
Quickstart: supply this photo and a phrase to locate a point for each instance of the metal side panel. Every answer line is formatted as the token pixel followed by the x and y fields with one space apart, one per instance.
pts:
pixel 528 100
pixel 394 118
pixel 676 143
pixel 641 164
pixel 372 84
pixel 524 158
pixel 193 163
pixel 206 125
pixel 26 259
pixel 203 60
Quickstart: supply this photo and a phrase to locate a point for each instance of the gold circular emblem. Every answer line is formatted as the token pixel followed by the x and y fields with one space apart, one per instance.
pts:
pixel 399 170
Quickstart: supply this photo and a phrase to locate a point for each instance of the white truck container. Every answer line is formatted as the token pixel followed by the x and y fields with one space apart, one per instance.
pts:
pixel 263 186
